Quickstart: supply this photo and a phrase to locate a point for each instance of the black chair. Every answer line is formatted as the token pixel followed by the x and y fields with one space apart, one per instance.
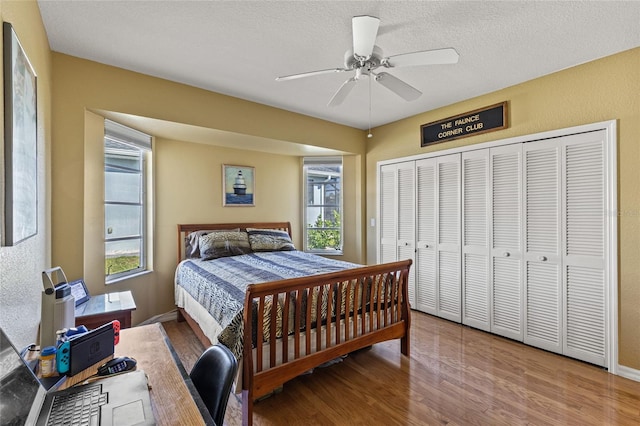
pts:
pixel 213 375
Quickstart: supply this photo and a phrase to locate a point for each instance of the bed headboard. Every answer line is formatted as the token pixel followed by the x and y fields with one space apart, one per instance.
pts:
pixel 185 229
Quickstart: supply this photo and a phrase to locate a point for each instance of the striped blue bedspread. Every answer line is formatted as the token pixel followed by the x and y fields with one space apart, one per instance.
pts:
pixel 219 285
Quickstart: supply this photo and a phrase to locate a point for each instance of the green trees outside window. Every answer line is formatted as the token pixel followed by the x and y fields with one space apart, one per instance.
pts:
pixel 325 234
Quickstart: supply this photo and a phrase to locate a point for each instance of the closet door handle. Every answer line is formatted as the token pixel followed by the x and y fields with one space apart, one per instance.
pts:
pixel 506 254
pixel 426 246
pixel 542 258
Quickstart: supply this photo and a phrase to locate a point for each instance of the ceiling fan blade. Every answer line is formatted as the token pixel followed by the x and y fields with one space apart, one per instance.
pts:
pixel 365 30
pixel 342 92
pixel 397 86
pixel 425 57
pixel 310 74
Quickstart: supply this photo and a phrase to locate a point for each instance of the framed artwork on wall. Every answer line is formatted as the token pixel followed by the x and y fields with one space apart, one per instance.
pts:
pixel 20 143
pixel 238 186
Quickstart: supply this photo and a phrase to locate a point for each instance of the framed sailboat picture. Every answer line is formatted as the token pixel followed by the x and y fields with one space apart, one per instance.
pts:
pixel 238 186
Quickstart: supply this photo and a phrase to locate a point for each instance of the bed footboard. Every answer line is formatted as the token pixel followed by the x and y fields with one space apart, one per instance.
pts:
pixel 294 325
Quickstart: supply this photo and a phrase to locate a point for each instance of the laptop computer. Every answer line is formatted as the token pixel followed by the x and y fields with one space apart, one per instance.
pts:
pixel 119 400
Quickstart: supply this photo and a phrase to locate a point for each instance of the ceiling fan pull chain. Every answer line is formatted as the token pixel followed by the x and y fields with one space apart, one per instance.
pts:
pixel 370 135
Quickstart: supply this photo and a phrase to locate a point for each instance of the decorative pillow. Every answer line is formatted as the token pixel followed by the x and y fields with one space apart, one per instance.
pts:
pixel 223 244
pixel 269 240
pixel 192 239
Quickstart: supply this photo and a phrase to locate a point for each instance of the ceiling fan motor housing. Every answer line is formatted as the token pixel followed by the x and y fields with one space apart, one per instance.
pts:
pixel 363 66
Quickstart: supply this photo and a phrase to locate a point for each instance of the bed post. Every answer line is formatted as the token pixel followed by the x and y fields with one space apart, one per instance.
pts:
pixel 405 341
pixel 247 362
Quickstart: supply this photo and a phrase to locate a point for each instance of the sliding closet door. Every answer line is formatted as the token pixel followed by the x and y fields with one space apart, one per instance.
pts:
pixel 406 220
pixel 506 241
pixel 425 266
pixel 448 237
pixel 584 246
pixel 476 291
pixel 543 279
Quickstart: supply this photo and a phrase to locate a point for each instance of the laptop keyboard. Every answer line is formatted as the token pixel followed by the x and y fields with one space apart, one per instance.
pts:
pixel 78 408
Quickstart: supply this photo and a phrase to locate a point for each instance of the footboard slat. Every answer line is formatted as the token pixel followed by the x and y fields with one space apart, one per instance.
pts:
pixel 297 325
pixel 272 329
pixel 358 305
pixel 319 305
pixel 259 335
pixel 332 315
pixel 339 310
pixel 285 326
pixel 307 323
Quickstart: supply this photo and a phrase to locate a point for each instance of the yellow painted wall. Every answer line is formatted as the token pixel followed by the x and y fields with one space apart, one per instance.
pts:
pixel 21 266
pixel 187 175
pixel 602 90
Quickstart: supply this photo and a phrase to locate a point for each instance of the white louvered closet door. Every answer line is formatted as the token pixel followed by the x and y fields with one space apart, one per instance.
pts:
pixel 542 261
pixel 448 237
pixel 476 292
pixel 406 191
pixel 584 248
pixel 506 241
pixel 388 210
pixel 513 239
pixel 425 266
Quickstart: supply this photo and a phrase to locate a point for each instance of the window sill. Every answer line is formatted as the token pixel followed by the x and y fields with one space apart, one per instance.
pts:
pixel 126 277
pixel 326 253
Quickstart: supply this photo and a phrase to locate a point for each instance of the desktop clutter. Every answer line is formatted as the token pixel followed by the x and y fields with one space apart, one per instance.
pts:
pixel 67 349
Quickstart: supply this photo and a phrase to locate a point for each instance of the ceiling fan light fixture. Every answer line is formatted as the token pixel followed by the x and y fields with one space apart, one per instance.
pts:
pixel 365 31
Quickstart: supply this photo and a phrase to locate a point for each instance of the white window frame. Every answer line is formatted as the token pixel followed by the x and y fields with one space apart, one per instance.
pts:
pixel 142 144
pixel 309 162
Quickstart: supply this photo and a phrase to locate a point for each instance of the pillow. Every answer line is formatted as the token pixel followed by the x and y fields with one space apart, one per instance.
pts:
pixel 269 240
pixel 223 244
pixel 192 239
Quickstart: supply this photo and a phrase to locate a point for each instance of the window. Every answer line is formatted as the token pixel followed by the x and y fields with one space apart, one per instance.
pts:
pixel 323 205
pixel 126 153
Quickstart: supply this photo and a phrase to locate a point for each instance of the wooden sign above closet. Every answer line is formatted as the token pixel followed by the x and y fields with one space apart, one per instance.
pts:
pixel 483 120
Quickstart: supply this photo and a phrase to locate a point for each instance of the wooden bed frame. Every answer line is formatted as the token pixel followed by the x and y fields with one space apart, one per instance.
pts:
pixel 379 313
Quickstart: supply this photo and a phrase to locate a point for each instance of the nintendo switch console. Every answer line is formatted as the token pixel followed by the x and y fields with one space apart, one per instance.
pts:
pixel 81 351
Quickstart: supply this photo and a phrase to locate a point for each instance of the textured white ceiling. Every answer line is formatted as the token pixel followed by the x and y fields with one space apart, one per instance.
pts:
pixel 239 47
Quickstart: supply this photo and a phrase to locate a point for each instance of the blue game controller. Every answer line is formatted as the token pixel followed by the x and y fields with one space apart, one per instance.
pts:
pixel 63 358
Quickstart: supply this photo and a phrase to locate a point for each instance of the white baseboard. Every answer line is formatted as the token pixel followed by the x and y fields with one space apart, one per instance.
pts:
pixel 629 373
pixel 167 316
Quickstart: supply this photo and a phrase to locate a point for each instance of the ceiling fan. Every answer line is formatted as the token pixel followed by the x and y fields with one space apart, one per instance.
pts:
pixel 365 57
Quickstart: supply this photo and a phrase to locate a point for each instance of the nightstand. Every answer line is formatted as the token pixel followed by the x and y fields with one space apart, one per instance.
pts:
pixel 102 308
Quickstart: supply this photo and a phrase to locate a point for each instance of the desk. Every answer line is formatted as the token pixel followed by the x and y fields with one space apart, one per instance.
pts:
pixel 174 399
pixel 103 308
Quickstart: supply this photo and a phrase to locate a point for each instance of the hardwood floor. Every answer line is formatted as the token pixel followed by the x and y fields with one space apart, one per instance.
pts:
pixel 456 375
